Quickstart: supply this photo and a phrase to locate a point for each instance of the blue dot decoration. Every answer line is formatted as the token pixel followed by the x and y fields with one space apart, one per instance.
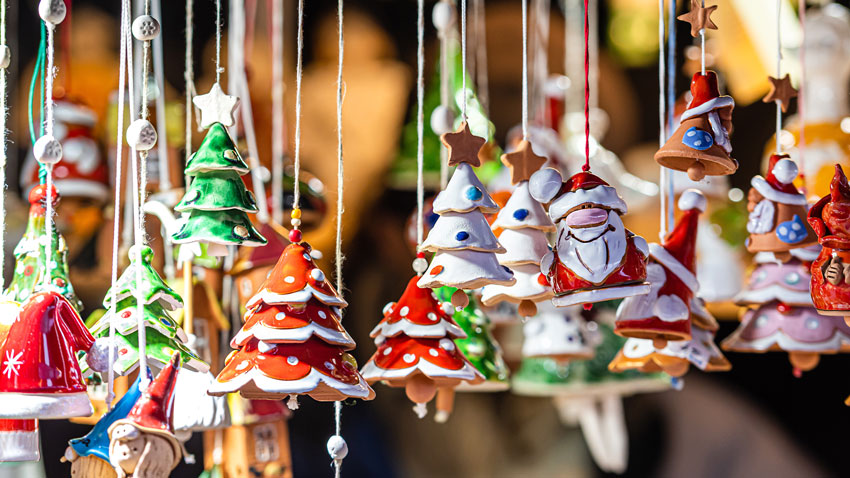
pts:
pixel 792 232
pixel 698 139
pixel 462 236
pixel 521 214
pixel 474 194
pixel 166 322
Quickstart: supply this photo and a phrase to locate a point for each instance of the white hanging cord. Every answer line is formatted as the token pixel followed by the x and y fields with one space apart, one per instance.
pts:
pixel 778 75
pixel 48 131
pixel 538 56
pixel 481 75
pixel 671 101
pixel 525 69
pixel 189 77
pixel 296 193
pixel 662 117
pixel 801 110
pixel 445 79
pixel 218 68
pixel 463 56
pixel 420 122
pixel 339 203
pixel 3 153
pixel 161 122
pixel 278 131
pixel 702 46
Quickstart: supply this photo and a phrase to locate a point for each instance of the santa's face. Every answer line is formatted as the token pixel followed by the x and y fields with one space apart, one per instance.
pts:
pixel 592 241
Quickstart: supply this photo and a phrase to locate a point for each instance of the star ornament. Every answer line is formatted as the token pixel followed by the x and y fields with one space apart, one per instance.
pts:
pixel 463 146
pixel 699 17
pixel 216 107
pixel 781 91
pixel 522 162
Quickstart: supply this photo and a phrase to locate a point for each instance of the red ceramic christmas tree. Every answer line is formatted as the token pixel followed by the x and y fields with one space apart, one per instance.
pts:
pixel 292 342
pixel 416 350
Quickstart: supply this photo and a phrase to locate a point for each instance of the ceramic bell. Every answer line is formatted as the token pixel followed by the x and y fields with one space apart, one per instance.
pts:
pixel 830 219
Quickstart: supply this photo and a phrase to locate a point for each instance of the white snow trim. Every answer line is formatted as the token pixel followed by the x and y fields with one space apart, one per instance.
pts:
pixel 692 199
pixel 670 308
pixel 287 387
pixel 300 334
pixel 603 195
pixel 521 199
pixel 45 405
pixel 82 187
pixel 372 372
pixel 710 105
pixel 453 197
pixel 721 136
pixel 438 330
pixel 657 252
pixel 787 344
pixel 299 297
pixel 773 292
pixel 443 236
pixel 808 254
pixel 601 295
pixel 19 446
pixel 766 190
pixel 526 287
pixel 465 269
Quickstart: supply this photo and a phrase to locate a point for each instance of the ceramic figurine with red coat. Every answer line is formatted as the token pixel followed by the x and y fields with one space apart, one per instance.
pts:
pixel 594 257
pixel 830 219
pixel 664 313
pixel 700 145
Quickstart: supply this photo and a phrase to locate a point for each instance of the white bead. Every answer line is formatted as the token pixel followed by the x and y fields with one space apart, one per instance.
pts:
pixel 443 15
pixel 442 120
pixel 295 222
pixel 141 135
pixel 5 56
pixel 337 448
pixel 420 265
pixel 145 27
pixel 47 150
pixel 52 11
pixel 785 171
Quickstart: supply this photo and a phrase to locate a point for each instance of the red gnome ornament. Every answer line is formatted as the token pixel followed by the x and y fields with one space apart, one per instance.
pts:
pixel 594 258
pixel 664 314
pixel 416 350
pixel 777 210
pixel 700 145
pixel 830 219
pixel 292 342
pixel 39 372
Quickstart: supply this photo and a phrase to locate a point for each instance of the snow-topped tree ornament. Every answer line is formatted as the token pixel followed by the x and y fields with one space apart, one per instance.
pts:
pixel 464 244
pixel 416 350
pixel 523 223
pixel 292 342
pixel 594 258
pixel 216 205
pixel 479 346
pixel 31 258
pixel 664 313
pixel 164 336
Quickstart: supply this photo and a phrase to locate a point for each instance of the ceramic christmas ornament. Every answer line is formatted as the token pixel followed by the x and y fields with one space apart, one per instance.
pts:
pixel 215 208
pixel 416 349
pixel 89 455
pixel 830 219
pixel 700 145
pixel 194 409
pixel 19 440
pixel 164 336
pixel 479 346
pixel 772 279
pixel 523 223
pixel 560 333
pixel 292 342
pixel 142 444
pixel 465 247
pixel 30 255
pixel 675 358
pixel 594 258
pixel 664 313
pixel 253 264
pixel 777 211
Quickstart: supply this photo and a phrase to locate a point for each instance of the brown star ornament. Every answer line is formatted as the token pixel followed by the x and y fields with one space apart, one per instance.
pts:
pixel 781 91
pixel 463 146
pixel 522 162
pixel 699 17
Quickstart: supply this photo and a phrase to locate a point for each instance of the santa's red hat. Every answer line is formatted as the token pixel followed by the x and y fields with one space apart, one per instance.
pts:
pixel 153 412
pixel 778 186
pixel 581 188
pixel 19 440
pixel 706 96
pixel 678 254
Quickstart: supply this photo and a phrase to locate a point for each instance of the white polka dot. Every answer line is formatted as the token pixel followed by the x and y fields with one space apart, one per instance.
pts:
pixel 289 279
pixel 697 143
pixel 433 352
pixel 306 256
pixel 409 358
pixel 329 366
pixel 812 323
pixel 404 311
pixel 280 316
pixel 782 230
pixel 317 275
pixel 388 350
pixel 691 133
pixel 292 360
pixel 322 314
pixel 447 344
pixel 796 226
pixel 243 365
pixel 432 316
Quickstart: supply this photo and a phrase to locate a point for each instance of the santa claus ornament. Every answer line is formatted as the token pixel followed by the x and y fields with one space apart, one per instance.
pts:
pixel 594 258
pixel 830 219
pixel 664 314
pixel 416 350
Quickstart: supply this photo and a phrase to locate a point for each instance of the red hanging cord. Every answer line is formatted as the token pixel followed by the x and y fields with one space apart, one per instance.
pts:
pixel 586 166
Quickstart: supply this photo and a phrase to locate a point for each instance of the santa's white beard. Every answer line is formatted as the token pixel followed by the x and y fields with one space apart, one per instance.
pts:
pixel 601 254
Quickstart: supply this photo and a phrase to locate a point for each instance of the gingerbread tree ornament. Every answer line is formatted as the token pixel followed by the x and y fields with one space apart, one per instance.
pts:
pixel 523 225
pixel 465 247
pixel 215 207
pixel 416 350
pixel 292 342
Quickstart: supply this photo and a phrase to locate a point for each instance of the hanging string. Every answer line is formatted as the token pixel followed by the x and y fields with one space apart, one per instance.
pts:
pixel 278 131
pixel 420 122
pixel 586 166
pixel 525 69
pixel 48 130
pixel 481 76
pixel 3 157
pixel 463 57
pixel 189 77
pixel 37 73
pixel 296 193
pixel 801 110
pixel 161 121
pixel 445 79
pixel 594 53
pixel 339 202
pixel 702 46
pixel 218 68
pixel 671 102
pixel 778 75
pixel 662 120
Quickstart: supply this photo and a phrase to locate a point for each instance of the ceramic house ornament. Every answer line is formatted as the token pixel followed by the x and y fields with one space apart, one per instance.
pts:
pixel 777 211
pixel 292 342
pixel 416 350
pixel 830 272
pixel 700 145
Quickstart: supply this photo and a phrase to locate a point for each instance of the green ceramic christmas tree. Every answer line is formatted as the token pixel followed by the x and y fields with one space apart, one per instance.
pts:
pixel 216 205
pixel 162 334
pixel 479 346
pixel 30 255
